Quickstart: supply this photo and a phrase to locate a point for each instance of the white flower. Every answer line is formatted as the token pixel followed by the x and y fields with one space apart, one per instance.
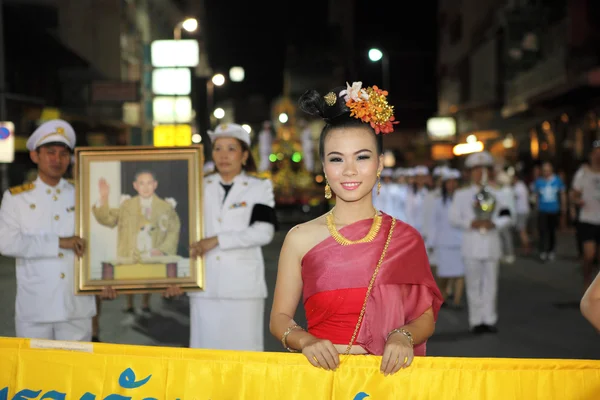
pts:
pixel 171 201
pixel 354 92
pixel 124 198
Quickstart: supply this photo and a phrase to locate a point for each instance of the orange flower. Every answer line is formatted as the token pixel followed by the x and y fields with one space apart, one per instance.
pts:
pixel 375 111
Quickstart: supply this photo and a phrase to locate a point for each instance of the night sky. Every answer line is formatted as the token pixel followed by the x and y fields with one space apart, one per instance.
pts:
pixel 254 35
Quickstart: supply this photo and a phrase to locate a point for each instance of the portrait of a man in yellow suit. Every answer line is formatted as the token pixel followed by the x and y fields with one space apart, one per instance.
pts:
pixel 147 225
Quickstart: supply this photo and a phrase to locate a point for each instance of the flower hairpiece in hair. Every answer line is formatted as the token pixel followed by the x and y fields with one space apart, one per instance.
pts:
pixel 370 105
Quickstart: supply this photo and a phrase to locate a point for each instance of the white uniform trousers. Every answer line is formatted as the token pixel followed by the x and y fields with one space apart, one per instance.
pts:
pixel 79 330
pixel 227 324
pixel 481 281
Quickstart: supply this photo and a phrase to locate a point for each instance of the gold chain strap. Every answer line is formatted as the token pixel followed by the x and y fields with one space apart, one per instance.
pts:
pixel 364 307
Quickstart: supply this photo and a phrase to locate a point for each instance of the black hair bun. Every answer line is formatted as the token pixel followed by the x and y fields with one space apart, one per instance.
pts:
pixel 328 107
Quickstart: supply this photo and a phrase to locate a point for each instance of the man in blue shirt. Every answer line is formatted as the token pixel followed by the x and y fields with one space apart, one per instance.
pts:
pixel 551 203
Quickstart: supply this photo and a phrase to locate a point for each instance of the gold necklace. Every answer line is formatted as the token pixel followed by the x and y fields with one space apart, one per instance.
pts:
pixel 338 237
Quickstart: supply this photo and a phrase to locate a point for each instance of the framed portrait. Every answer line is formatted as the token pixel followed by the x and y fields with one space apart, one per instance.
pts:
pixel 138 208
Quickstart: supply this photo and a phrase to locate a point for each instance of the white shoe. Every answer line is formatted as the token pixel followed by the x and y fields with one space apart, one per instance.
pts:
pixel 551 256
pixel 543 256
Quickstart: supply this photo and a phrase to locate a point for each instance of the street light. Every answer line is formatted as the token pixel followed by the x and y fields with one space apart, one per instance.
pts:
pixel 218 79
pixel 376 55
pixel 219 113
pixel 236 74
pixel 189 24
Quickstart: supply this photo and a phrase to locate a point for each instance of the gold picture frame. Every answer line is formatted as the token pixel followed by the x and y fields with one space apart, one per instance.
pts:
pixel 138 208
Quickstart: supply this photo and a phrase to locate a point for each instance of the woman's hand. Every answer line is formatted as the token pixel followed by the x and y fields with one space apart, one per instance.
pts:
pixel 398 353
pixel 321 353
pixel 202 247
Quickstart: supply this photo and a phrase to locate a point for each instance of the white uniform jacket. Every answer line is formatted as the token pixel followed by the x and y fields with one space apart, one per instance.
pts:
pixel 429 203
pixel 482 246
pixel 235 269
pixel 31 222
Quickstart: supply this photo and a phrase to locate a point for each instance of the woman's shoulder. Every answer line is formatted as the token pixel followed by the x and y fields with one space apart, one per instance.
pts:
pixel 306 229
pixel 305 236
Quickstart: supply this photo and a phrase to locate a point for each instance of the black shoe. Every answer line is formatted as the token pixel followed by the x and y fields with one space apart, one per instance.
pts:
pixel 96 339
pixel 478 329
pixel 129 310
pixel 490 329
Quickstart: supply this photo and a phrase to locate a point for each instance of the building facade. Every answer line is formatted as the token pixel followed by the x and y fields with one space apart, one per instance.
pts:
pixel 521 76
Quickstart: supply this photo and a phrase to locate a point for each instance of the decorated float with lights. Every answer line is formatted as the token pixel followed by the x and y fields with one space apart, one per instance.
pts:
pixel 289 145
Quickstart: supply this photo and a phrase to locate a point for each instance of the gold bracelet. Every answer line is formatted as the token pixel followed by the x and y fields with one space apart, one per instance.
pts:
pixel 404 332
pixel 285 335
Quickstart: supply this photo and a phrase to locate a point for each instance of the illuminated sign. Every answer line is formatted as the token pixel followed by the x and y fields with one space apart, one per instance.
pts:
pixel 441 128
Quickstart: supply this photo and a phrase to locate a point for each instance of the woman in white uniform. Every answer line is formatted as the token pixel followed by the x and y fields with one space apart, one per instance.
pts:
pixel 239 218
pixel 446 241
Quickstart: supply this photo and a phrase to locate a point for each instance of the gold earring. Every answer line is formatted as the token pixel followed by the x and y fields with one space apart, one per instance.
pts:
pixel 327 191
pixel 378 183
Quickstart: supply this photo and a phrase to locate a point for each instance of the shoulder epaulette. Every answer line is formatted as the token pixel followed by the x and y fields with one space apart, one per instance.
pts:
pixel 71 181
pixel 26 187
pixel 258 175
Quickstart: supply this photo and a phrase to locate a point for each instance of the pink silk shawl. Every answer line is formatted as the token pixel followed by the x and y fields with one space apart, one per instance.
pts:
pixel 403 290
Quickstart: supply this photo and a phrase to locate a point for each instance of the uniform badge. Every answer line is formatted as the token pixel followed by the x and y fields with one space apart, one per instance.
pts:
pixel 71 209
pixel 238 205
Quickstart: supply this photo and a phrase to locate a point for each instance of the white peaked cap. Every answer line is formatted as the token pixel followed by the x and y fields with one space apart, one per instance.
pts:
pixel 480 159
pixel 398 172
pixel 54 131
pixel 230 130
pixel 421 170
pixel 387 173
pixel 451 173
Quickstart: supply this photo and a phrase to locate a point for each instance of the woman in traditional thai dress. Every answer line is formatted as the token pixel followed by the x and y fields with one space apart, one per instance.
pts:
pixel 446 241
pixel 364 277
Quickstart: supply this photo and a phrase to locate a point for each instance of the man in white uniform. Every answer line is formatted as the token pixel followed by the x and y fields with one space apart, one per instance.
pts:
pixel 37 226
pixel 481 245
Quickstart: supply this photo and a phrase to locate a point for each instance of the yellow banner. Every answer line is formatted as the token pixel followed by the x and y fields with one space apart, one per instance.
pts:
pixel 36 369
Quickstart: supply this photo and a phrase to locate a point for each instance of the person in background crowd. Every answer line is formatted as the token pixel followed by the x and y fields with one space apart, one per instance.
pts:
pixel 390 198
pixel 533 215
pixel 400 179
pixel 551 198
pixel 37 226
pixel 345 263
pixel 481 246
pixel 428 205
pixel 586 194
pixel 416 198
pixel 505 189
pixel 446 241
pixel 522 209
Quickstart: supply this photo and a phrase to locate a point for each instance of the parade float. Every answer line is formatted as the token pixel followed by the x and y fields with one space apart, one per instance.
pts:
pixel 286 153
